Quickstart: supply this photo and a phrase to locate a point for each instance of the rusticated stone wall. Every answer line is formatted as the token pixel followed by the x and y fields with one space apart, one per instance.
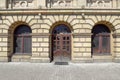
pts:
pixel 42 25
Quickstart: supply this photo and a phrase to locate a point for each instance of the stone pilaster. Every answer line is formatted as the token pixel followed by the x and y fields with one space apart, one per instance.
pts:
pixel 4 48
pixel 117 48
pixel 82 48
pixel 40 48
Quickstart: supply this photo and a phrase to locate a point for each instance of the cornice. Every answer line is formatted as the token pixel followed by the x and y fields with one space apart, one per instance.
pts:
pixel 59 11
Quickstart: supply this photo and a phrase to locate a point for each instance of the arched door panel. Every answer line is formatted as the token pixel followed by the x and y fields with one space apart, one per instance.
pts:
pixel 61 40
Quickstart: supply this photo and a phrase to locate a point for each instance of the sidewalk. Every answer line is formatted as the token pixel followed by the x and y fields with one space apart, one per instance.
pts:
pixel 49 71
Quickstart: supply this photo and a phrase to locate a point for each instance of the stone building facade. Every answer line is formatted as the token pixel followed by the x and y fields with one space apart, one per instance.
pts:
pixel 59 30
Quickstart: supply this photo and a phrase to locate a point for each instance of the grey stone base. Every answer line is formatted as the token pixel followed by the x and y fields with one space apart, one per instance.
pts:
pixel 40 60
pixel 102 60
pixel 117 60
pixel 4 59
pixel 82 60
pixel 20 58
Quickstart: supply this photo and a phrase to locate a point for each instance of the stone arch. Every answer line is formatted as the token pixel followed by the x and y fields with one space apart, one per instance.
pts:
pixel 107 24
pixel 11 37
pixel 15 25
pixel 61 22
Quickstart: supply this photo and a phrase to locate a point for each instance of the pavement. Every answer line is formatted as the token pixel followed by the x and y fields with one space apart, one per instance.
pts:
pixel 49 71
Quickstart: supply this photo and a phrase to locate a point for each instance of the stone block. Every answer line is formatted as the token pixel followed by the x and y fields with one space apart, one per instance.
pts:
pixel 36 54
pixel 15 17
pixel 5 39
pixel 48 22
pixel 34 49
pixel 45 31
pixel 46 49
pixel 61 17
pixel 34 31
pixel 45 26
pixel 10 18
pixel 1 31
pixel 113 18
pixel 3 44
pixel 82 50
pixel 3 59
pixel 0 39
pixel 35 44
pixel 77 26
pixel 87 54
pixel 117 49
pixel 44 44
pixel 3 53
pixel 99 17
pixel 76 49
pixel 44 54
pixel 56 18
pixel 90 22
pixel 4 49
pixel 76 21
pixel 32 22
pixel 71 18
pixel 77 55
pixel 88 39
pixel 40 60
pixel 24 17
pixel 82 39
pixel 46 39
pixel 66 17
pixel 77 44
pixel 40 30
pixel 20 18
pixel 29 18
pixel 88 49
pixel 35 26
pixel 76 31
pixel 40 39
pixel 87 44
pixel 5 31
pixel 40 49
pixel 51 17
pixel 34 39
pixel 76 39
pixel 108 17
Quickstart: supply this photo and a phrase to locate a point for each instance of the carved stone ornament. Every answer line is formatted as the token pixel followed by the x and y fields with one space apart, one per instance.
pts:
pixel 62 3
pixel 23 4
pixel 101 3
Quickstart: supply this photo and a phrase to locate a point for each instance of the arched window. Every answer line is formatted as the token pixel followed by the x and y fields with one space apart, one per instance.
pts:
pixel 100 40
pixel 22 40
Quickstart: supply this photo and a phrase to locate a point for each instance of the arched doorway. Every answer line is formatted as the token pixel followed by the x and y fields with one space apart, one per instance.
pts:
pixel 61 43
pixel 101 40
pixel 22 40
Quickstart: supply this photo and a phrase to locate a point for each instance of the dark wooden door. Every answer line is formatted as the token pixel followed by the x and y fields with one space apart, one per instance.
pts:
pixel 61 47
